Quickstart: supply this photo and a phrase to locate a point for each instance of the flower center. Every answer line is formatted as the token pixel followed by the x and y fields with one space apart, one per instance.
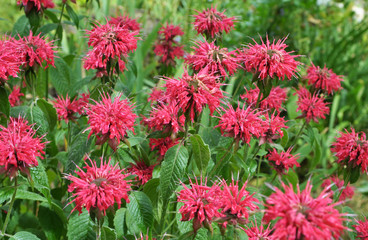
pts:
pixel 98 181
pixel 275 55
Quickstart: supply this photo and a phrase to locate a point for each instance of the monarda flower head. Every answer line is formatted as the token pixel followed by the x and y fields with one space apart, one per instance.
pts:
pixel 162 144
pixel 110 43
pixel 259 233
pixel 110 120
pixel 66 108
pixel 300 216
pixel 361 229
pixel 312 107
pixel 167 47
pixel 323 79
pixel 141 170
pixel 14 97
pixel 212 23
pixel 241 124
pixel 352 149
pixel 193 93
pixel 98 188
pixel 35 50
pixel 282 161
pixel 347 192
pixel 125 22
pixel 273 101
pixel 19 147
pixel 218 60
pixel 272 128
pixel 38 4
pixel 9 60
pixel 201 203
pixel 270 60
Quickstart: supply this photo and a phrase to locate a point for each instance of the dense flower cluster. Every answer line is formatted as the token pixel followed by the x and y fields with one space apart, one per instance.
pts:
pixel 9 60
pixel 125 22
pixel 141 170
pixel 217 60
pixel 272 128
pixel 39 4
pixel 19 147
pixel 110 120
pixel 362 229
pixel 211 22
pixel 14 97
pixel 66 108
pixel 347 192
pixel 300 216
pixel 273 101
pixel 167 47
pixel 352 149
pixel 270 59
pixel 98 188
pixel 259 233
pixel 324 79
pixel 282 161
pixel 162 144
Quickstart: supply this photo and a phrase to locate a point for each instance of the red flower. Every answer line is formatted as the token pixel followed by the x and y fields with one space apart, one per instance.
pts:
pixel 324 79
pixel 110 120
pixel 165 118
pixel 274 100
pixel 9 60
pixel 311 106
pixel 352 148
pixel 259 233
pixel 162 144
pixel 362 229
pixel 201 203
pixel 300 216
pixel 156 96
pixel 34 50
pixel 110 43
pixel 143 172
pixel 272 127
pixel 39 4
pixel 270 60
pixel 347 192
pixel 241 124
pixel 282 161
pixel 236 203
pixel 98 188
pixel 211 22
pixel 19 147
pixel 167 47
pixel 125 22
pixel 14 97
pixel 195 92
pixel 66 109
pixel 218 61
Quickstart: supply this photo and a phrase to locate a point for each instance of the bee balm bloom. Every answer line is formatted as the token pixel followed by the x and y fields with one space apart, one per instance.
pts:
pixel 9 60
pixel 282 161
pixel 347 192
pixel 324 78
pixel 39 4
pixel 362 229
pixel 66 108
pixel 311 106
pixel 14 97
pixel 125 22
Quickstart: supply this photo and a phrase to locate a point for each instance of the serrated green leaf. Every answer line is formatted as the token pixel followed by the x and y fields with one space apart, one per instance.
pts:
pixel 139 214
pixel 73 15
pixel 119 222
pixel 49 111
pixel 172 171
pixel 24 236
pixel 4 103
pixel 6 193
pixel 21 27
pixel 184 226
pixel 80 145
pixel 39 177
pixel 35 115
pixel 45 29
pixel 61 78
pixel 151 189
pixel 23 194
pixel 201 152
pixel 79 226
pixel 19 111
pixel 50 222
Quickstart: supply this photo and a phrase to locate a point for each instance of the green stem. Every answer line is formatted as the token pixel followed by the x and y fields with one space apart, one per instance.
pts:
pixel 299 133
pixel 59 22
pixel 238 87
pixel 214 169
pixel 258 99
pixel 346 182
pixel 69 134
pixel 259 169
pixel 47 85
pixel 10 206
pixel 98 232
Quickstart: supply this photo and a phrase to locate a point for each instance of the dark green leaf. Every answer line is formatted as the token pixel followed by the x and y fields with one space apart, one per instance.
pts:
pixel 201 152
pixel 39 177
pixel 139 214
pixel 79 147
pixel 23 194
pixel 45 29
pixel 21 27
pixel 119 222
pixel 50 223
pixel 49 111
pixel 151 189
pixel 4 103
pixel 73 15
pixel 35 115
pixel 61 77
pixel 79 226
pixel 24 236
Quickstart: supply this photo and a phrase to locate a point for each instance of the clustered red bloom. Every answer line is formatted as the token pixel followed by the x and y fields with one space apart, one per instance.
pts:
pixel 167 47
pixel 110 120
pixel 311 106
pixel 9 60
pixel 156 96
pixel 211 22
pixel 272 128
pixel 258 233
pixel 110 43
pixel 39 4
pixel 19 147
pixel 193 93
pixel 324 79
pixel 347 192
pixel 98 188
pixel 282 161
pixel 66 108
pixel 125 22
pixel 362 229
pixel 300 216
pixel 217 60
pixel 270 60
pixel 273 101
pixel 352 149
pixel 241 124
pixel 34 50
pixel 14 97
pixel 162 144
pixel 143 172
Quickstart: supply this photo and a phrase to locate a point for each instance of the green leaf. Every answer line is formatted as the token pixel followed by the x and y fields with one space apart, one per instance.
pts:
pixel 119 222
pixel 35 115
pixel 151 189
pixel 4 103
pixel 79 226
pixel 201 152
pixel 45 29
pixel 61 77
pixel 50 223
pixel 139 214
pixel 72 15
pixel 6 193
pixel 108 233
pixel 19 111
pixel 23 194
pixel 21 27
pixel 172 171
pixel 49 111
pixel 184 226
pixel 39 177
pixel 24 236
pixel 79 147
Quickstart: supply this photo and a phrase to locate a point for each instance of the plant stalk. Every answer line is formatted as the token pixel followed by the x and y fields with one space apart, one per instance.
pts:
pixel 11 206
